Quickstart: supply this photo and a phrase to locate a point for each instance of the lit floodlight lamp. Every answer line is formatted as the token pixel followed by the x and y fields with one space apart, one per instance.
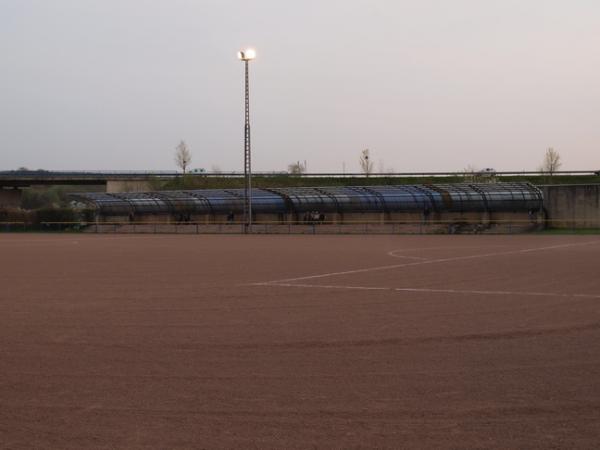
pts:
pixel 247 55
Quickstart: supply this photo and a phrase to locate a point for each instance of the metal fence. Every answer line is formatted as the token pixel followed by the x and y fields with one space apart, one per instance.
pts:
pixel 513 226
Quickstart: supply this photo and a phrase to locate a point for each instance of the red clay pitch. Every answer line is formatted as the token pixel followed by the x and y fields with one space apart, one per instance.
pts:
pixel 299 341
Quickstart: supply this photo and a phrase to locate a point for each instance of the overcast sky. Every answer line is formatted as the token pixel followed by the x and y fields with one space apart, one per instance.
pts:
pixel 426 85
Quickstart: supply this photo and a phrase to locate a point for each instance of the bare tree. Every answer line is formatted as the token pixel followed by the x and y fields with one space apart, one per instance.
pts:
pixel 470 173
pixel 183 156
pixel 381 167
pixel 551 162
pixel 366 165
pixel 297 168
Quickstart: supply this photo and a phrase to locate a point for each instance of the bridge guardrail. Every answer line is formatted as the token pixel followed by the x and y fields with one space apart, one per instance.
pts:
pixel 168 173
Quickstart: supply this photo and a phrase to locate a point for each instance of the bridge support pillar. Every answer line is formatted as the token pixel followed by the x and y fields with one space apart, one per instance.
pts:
pixel 10 198
pixel 127 186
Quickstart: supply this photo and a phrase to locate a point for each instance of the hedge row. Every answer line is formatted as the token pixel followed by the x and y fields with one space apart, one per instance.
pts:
pixel 44 215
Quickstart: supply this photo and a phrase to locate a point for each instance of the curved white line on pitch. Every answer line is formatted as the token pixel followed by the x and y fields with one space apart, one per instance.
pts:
pixel 394 254
pixel 431 261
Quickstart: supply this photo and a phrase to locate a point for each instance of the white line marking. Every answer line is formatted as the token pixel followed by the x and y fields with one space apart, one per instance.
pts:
pixel 394 254
pixel 326 286
pixel 435 291
pixel 429 261
pixel 91 237
pixel 445 247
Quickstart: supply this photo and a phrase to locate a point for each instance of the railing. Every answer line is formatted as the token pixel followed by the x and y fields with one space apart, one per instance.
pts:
pixel 510 226
pixel 172 174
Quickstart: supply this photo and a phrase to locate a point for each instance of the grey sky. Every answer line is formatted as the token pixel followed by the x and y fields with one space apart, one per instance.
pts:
pixel 426 85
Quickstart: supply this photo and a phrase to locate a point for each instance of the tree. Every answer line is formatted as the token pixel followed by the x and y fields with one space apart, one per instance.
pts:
pixel 470 173
pixel 366 165
pixel 297 168
pixel 183 156
pixel 551 161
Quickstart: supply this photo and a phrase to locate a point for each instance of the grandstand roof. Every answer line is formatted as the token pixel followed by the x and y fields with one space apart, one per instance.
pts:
pixel 462 197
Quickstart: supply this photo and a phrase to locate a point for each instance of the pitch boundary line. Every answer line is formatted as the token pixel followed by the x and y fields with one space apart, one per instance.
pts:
pixel 429 261
pixel 83 238
pixel 435 291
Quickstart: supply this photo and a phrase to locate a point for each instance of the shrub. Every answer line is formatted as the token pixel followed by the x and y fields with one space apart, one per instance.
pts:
pixel 55 215
pixel 14 215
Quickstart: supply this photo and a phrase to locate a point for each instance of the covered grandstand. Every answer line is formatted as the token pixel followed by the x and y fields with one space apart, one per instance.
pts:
pixel 475 203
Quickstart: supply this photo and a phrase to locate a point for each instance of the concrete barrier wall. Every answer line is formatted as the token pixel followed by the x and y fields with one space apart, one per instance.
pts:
pixel 572 206
pixel 116 186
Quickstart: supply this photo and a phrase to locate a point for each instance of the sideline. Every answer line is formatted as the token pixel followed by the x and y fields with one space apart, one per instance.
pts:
pixel 83 238
pixel 429 261
pixel 440 291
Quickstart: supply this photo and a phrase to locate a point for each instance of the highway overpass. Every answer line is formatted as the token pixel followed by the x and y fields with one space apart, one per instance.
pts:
pixel 26 178
pixel 12 181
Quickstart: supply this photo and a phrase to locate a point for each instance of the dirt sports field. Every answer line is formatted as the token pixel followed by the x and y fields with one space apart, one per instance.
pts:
pixel 299 341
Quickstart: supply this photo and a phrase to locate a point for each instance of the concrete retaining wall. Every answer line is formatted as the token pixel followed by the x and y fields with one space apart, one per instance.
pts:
pixel 340 228
pixel 442 223
pixel 572 206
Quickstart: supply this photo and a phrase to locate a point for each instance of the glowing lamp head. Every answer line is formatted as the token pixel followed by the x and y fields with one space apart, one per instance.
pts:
pixel 247 55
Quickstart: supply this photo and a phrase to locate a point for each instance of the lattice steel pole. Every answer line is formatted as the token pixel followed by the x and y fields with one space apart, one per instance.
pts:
pixel 247 56
pixel 247 160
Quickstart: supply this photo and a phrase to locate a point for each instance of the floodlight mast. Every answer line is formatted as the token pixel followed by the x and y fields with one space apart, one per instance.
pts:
pixel 246 56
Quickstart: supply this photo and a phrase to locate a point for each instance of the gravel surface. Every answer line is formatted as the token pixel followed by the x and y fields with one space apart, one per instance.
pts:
pixel 299 341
